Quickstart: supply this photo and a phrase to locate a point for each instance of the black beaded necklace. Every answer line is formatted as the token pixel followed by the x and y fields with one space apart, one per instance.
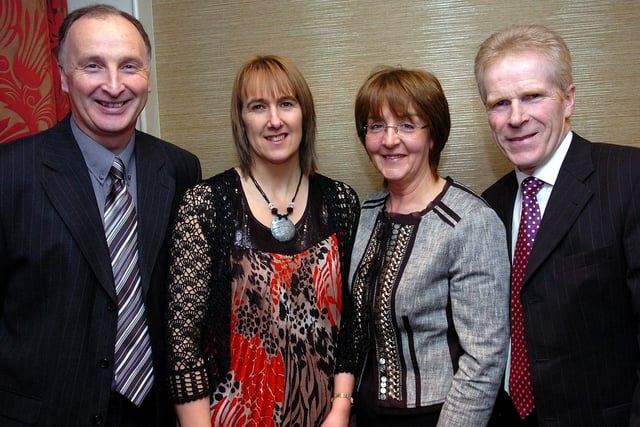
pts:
pixel 282 229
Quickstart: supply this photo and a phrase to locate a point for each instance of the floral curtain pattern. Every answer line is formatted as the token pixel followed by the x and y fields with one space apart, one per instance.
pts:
pixel 30 96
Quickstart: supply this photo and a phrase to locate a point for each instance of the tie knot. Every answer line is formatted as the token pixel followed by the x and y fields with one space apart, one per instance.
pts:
pixel 531 185
pixel 117 169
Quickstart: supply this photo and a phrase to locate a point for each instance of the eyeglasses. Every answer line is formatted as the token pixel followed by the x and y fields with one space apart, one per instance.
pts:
pixel 378 129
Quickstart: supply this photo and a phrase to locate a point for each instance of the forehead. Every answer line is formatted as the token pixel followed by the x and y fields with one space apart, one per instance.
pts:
pixel 394 107
pixel 262 84
pixel 517 72
pixel 105 35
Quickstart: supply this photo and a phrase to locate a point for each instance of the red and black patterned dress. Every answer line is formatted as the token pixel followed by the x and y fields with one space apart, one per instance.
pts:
pixel 253 322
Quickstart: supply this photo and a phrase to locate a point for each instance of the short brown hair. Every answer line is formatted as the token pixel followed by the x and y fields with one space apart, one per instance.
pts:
pixel 401 89
pixel 279 76
pixel 521 39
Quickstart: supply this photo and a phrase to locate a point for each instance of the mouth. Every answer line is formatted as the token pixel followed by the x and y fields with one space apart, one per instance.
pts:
pixel 276 138
pixel 517 139
pixel 111 104
pixel 393 156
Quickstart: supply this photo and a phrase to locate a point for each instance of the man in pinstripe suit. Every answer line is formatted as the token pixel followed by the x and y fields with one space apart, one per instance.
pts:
pixel 58 304
pixel 580 296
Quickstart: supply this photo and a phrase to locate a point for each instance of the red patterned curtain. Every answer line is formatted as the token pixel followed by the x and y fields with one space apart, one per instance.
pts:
pixel 30 96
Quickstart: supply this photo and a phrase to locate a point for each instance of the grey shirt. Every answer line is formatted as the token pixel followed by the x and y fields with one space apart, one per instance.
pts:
pixel 99 161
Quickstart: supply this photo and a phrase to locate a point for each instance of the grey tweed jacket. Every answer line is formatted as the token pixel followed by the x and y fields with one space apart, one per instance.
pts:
pixel 441 304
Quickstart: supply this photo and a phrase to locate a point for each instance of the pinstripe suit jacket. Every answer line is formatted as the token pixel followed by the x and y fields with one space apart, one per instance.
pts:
pixel 58 307
pixel 581 292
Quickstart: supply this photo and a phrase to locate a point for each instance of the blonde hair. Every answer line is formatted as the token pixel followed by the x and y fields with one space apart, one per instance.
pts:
pixel 520 39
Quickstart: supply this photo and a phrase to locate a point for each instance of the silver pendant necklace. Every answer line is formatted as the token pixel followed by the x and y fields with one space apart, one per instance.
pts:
pixel 282 229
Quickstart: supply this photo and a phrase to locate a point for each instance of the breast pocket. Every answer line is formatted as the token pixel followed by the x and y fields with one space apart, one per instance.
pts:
pixel 590 273
pixel 19 408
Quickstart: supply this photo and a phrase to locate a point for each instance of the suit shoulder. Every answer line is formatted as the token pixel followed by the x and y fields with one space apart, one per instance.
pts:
pixel 184 165
pixel 33 142
pixel 160 144
pixel 498 188
pixel 607 152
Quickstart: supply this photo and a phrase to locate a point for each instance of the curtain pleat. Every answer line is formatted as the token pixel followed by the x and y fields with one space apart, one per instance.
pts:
pixel 30 96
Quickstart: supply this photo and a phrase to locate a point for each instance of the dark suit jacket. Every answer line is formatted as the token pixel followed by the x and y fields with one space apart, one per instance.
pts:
pixel 581 292
pixel 58 307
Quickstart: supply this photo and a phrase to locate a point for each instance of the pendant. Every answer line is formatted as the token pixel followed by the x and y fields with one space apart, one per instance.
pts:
pixel 282 229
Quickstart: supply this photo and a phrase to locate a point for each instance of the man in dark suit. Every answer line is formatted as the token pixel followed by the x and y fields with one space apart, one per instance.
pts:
pixel 574 350
pixel 61 304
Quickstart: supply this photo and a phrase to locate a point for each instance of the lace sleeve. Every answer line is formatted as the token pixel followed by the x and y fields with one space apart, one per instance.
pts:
pixel 188 296
pixel 346 212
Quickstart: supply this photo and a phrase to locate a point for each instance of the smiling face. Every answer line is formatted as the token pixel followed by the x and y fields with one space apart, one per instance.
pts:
pixel 528 113
pixel 273 126
pixel 402 159
pixel 106 75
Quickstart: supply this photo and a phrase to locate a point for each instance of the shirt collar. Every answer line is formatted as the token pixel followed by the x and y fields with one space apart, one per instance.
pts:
pixel 98 158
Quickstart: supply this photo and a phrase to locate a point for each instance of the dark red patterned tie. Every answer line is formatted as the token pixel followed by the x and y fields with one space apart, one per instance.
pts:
pixel 520 388
pixel 133 366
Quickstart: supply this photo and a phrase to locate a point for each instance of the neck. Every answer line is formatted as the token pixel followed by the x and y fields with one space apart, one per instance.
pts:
pixel 279 182
pixel 414 197
pixel 115 143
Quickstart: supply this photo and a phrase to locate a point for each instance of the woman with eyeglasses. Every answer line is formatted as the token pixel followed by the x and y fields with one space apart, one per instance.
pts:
pixel 258 270
pixel 429 272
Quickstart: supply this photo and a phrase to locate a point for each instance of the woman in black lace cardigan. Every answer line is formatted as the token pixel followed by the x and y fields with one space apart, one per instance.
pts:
pixel 258 267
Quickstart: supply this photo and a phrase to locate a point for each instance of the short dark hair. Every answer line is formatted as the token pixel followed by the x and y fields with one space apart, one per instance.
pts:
pixel 400 89
pixel 98 11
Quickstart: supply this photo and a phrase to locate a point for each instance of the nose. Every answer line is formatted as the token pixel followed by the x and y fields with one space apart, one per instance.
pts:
pixel 390 137
pixel 274 118
pixel 114 83
pixel 517 115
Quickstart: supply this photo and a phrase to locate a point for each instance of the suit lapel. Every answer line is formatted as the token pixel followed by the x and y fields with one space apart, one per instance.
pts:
pixel 67 183
pixel 569 197
pixel 505 203
pixel 156 189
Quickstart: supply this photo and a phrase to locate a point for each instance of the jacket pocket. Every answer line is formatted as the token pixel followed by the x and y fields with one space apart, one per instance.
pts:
pixel 19 408
pixel 617 415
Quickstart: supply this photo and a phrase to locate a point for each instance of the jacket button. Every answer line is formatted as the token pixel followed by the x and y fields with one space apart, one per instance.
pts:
pixel 97 420
pixel 111 306
pixel 103 363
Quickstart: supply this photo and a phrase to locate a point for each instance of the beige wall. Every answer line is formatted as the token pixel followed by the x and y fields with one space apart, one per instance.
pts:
pixel 201 43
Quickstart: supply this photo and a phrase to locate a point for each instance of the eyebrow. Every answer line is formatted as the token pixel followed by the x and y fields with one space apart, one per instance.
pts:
pixel 123 60
pixel 264 99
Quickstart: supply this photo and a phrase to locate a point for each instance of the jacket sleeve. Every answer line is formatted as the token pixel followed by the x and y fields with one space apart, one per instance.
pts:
pixel 479 292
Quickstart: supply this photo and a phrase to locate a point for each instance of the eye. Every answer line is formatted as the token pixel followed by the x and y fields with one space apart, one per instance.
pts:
pixel 288 103
pixel 130 68
pixel 498 105
pixel 531 97
pixel 406 127
pixel 376 127
pixel 257 107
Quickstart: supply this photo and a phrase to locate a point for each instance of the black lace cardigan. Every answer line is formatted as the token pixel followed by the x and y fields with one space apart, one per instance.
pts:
pixel 210 209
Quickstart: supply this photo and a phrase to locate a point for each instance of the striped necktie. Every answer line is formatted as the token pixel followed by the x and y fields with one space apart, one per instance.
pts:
pixel 133 364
